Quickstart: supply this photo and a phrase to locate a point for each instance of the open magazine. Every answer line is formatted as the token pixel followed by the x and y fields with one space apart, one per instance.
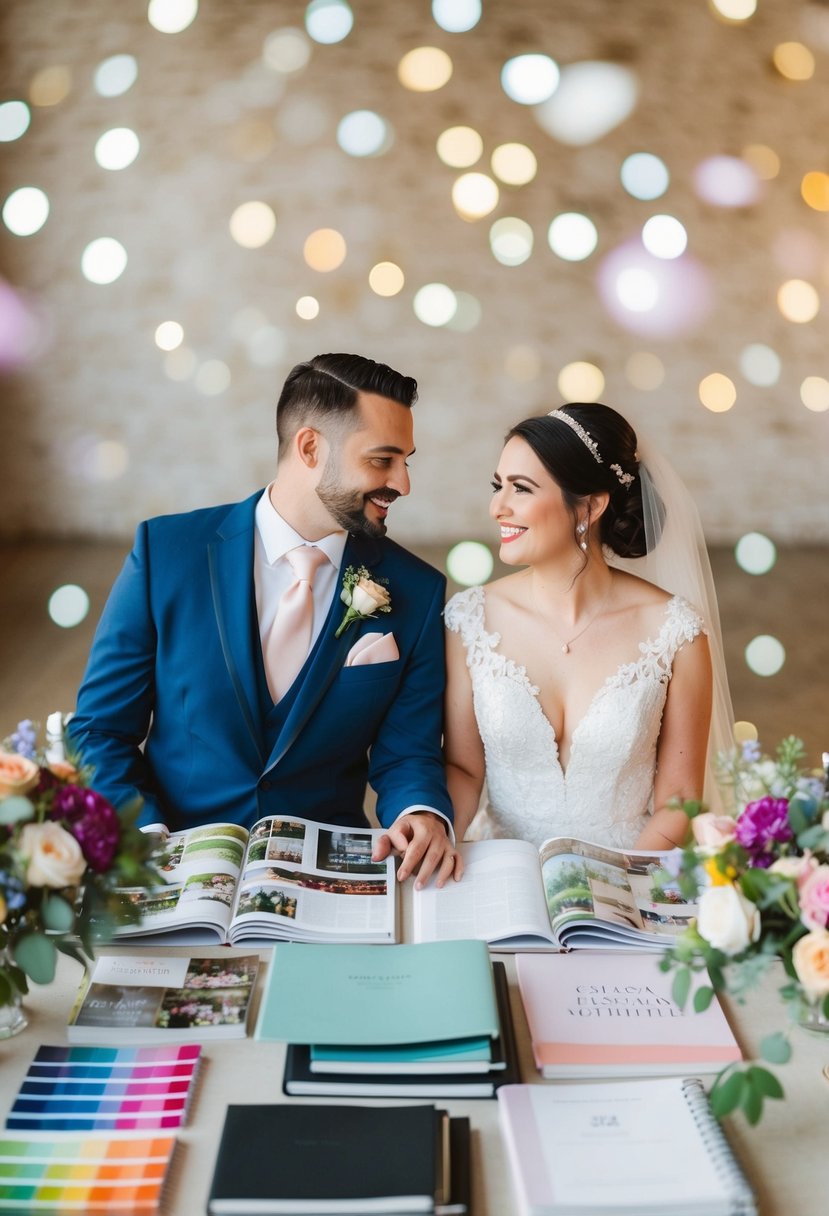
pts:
pixel 567 895
pixel 287 879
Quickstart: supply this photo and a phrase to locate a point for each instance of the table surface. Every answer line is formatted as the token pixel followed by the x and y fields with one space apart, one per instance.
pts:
pixel 786 1157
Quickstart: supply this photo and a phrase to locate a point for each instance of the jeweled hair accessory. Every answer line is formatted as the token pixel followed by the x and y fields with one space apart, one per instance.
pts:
pixel 583 435
pixel 625 479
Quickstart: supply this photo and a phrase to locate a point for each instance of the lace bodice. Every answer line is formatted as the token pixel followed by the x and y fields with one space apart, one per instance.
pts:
pixel 605 793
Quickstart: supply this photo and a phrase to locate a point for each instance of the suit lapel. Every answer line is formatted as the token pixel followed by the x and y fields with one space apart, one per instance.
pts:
pixel 329 653
pixel 230 561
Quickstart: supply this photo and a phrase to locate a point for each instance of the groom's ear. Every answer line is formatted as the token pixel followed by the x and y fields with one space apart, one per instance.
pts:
pixel 310 447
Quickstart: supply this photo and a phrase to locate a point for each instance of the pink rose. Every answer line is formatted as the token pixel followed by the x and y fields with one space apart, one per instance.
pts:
pixel 811 962
pixel 18 774
pixel 814 899
pixel 712 831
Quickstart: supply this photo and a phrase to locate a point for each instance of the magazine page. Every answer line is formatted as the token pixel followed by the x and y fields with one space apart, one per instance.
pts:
pixel 307 881
pixel 200 868
pixel 598 897
pixel 500 899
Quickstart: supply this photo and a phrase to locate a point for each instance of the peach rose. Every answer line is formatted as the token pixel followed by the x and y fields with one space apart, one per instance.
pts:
pixel 811 962
pixel 18 774
pixel 368 597
pixel 63 770
pixel 712 831
pixel 814 899
pixel 54 855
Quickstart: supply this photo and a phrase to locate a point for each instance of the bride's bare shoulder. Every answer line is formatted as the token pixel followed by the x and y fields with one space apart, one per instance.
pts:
pixel 506 590
pixel 635 592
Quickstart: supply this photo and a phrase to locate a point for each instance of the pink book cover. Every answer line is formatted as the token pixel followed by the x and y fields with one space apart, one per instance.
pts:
pixel 592 1014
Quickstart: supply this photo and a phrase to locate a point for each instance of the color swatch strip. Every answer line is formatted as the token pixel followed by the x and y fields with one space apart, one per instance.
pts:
pixel 103 1089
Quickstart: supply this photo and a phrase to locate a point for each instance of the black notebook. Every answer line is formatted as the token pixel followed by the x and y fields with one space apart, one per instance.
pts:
pixel 341 1159
pixel 299 1080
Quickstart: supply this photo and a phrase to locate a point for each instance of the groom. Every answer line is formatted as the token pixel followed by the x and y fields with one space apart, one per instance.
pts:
pixel 218 650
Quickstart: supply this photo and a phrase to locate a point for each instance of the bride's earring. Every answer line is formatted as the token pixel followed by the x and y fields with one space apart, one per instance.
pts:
pixel 581 529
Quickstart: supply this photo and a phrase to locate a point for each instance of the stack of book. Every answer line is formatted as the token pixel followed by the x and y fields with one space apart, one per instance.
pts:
pixel 430 1020
pixel 337 1159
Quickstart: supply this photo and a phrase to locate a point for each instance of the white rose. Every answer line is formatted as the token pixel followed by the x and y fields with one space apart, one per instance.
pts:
pixel 367 597
pixel 54 855
pixel 727 920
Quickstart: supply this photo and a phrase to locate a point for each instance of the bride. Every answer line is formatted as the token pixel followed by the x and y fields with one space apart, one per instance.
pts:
pixel 581 693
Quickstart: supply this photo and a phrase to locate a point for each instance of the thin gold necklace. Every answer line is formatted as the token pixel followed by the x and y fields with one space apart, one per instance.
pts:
pixel 565 646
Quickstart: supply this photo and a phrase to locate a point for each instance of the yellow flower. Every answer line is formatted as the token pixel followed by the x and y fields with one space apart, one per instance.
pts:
pixel 719 878
pixel 3 910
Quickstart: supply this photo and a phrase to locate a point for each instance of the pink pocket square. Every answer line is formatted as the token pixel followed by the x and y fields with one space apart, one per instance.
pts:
pixel 373 648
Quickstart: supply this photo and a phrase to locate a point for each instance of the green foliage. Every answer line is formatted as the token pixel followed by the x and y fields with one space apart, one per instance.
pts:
pixel 36 954
pixel 744 1088
pixel 703 998
pixel 776 1048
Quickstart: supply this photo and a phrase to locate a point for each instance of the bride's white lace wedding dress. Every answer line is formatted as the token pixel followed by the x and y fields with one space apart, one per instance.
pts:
pixel 605 793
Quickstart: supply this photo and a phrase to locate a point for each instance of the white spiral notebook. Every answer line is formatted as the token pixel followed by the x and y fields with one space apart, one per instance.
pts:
pixel 634 1147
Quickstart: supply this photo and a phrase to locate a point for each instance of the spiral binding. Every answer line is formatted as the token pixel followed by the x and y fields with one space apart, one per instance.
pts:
pixel 718 1149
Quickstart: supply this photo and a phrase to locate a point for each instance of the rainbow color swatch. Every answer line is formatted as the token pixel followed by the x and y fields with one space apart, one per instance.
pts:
pixel 106 1089
pixel 63 1173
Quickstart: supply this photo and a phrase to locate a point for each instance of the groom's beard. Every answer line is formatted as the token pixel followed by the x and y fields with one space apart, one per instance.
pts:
pixel 348 507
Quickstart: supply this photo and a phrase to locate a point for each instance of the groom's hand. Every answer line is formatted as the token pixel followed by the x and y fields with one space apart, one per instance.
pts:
pixel 422 841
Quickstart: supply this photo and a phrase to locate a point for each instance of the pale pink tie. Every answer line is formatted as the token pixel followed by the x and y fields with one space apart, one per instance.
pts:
pixel 290 638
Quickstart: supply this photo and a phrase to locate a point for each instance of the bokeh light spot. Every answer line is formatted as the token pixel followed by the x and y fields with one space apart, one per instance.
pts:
pixel 435 304
pixel 169 335
pixel 15 117
pixel 117 148
pixel 581 381
pixel 755 553
pixel 425 69
pixel 104 260
pixel 252 224
pixel 530 79
pixel 459 147
pixel 765 655
pixel 717 393
pixel 764 160
pixel 760 365
pixel 172 16
pixel 474 195
pixel 115 76
pixel 469 563
pixel 572 236
pixel 328 21
pixel 363 133
pixel 514 164
pixel 511 240
pixel 50 86
pixel 815 190
pixel 68 605
pixel 324 250
pixel 307 308
pixel 286 51
pixel 814 393
pixel 456 16
pixel 591 99
pixel 386 279
pixel 798 301
pixel 25 211
pixel 794 61
pixel 726 181
pixel 644 176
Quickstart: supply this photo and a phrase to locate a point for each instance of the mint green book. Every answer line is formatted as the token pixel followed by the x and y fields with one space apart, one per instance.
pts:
pixel 371 995
pixel 451 1055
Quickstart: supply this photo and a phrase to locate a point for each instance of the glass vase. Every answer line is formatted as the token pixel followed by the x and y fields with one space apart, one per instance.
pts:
pixel 12 1017
pixel 813 1018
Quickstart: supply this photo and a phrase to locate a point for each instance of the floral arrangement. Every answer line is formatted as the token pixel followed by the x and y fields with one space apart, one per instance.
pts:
pixel 362 596
pixel 64 854
pixel 761 878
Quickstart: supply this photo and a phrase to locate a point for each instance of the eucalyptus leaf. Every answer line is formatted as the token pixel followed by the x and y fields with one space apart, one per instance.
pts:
pixel 57 914
pixel 766 1082
pixel 37 956
pixel 16 809
pixel 702 998
pixel 681 986
pixel 727 1095
pixel 752 1103
pixel 776 1048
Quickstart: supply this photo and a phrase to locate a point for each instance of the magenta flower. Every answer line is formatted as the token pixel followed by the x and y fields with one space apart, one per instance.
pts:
pixel 92 821
pixel 762 825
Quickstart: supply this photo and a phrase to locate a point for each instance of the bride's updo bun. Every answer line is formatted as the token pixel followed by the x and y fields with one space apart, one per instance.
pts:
pixel 591 449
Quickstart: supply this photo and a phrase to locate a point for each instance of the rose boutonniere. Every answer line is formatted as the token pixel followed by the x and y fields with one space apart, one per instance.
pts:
pixel 363 597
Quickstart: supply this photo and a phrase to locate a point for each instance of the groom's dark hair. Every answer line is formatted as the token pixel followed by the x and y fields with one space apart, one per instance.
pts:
pixel 326 387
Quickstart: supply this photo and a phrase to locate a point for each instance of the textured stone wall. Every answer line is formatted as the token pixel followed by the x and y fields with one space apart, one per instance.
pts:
pixel 218 128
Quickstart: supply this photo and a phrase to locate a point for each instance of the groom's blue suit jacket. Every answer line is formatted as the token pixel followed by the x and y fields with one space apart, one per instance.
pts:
pixel 177 661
